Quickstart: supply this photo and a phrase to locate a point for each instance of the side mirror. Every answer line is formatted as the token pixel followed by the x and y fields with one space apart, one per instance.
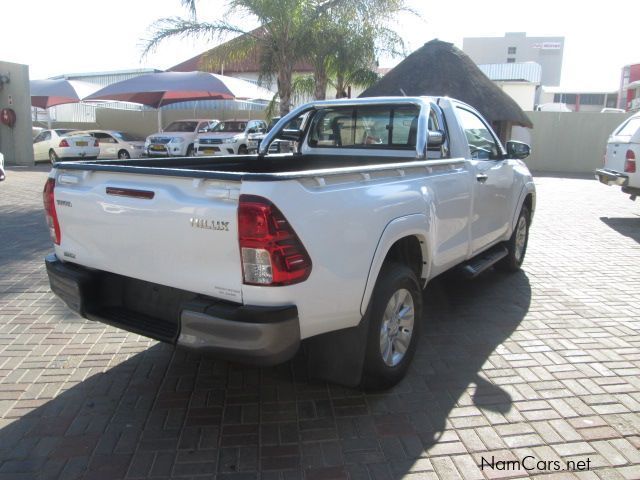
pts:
pixel 436 139
pixel 518 150
pixel 291 134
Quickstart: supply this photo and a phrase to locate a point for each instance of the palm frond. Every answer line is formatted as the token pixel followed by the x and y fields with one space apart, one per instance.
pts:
pixel 190 5
pixel 175 27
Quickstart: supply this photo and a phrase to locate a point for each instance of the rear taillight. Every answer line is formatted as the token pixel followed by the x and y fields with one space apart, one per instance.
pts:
pixel 64 143
pixel 96 143
pixel 630 162
pixel 50 210
pixel 272 254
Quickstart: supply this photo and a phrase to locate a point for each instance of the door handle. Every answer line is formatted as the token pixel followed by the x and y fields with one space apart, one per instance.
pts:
pixel 481 177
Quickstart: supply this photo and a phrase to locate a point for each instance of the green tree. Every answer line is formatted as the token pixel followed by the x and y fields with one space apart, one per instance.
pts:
pixel 335 36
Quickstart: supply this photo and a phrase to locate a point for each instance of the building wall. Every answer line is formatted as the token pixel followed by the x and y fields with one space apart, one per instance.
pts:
pixel 570 142
pixel 546 51
pixel 523 93
pixel 16 144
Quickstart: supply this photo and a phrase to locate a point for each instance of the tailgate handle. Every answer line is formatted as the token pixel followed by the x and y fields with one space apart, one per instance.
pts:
pixel 130 192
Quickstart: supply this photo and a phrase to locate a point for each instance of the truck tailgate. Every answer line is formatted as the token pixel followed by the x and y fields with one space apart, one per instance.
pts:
pixel 179 232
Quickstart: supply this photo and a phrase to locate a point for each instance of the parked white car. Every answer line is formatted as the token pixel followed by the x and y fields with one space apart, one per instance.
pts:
pixel 230 137
pixel 64 144
pixel 116 144
pixel 623 149
pixel 178 139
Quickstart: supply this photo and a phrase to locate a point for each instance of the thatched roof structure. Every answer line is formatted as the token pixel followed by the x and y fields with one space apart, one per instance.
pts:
pixel 440 69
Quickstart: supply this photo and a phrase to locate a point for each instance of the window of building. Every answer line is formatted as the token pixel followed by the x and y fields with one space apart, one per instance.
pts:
pixel 511 50
pixel 511 60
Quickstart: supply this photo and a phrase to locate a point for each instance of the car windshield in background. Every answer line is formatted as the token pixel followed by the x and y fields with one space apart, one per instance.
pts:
pixel 181 127
pixel 230 127
pixel 62 131
pixel 629 128
pixel 127 137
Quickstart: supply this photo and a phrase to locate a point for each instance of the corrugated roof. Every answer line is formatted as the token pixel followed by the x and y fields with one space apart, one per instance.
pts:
pixel 523 72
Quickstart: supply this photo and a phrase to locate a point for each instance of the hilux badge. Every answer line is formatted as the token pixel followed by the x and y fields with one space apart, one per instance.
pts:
pixel 209 224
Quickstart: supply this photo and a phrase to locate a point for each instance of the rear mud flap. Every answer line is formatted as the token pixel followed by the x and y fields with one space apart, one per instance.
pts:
pixel 338 356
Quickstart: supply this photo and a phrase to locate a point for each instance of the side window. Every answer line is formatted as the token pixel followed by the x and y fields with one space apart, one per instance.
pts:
pixel 481 142
pixel 46 136
pixel 39 138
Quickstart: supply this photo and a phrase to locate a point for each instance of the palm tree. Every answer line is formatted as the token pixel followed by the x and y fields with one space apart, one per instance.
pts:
pixel 317 31
pixel 279 40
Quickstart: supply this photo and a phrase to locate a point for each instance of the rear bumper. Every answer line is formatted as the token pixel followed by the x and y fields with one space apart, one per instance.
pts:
pixel 244 333
pixel 609 177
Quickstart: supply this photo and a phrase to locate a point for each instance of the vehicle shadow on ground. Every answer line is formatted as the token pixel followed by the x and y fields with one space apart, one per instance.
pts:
pixel 627 226
pixel 171 413
pixel 18 249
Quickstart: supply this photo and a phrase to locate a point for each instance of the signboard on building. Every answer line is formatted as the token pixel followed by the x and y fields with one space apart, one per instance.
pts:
pixel 548 45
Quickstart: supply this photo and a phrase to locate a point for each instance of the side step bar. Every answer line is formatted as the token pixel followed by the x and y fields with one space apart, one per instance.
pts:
pixel 483 261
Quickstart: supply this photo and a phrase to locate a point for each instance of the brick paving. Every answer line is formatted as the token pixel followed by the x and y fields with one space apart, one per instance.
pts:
pixel 537 367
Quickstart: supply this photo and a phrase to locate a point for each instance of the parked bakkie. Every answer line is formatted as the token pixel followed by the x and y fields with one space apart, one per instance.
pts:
pixel 178 138
pixel 623 149
pixel 245 258
pixel 230 137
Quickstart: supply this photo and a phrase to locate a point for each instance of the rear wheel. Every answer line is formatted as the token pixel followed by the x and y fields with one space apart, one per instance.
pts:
pixel 395 315
pixel 517 244
pixel 123 155
pixel 53 157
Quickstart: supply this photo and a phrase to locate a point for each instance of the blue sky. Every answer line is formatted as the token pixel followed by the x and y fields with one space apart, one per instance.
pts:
pixel 84 36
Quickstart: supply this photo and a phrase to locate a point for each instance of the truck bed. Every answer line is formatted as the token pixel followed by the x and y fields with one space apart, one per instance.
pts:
pixel 253 167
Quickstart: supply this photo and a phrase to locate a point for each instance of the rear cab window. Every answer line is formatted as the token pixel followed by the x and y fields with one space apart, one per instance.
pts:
pixel 629 128
pixel 369 127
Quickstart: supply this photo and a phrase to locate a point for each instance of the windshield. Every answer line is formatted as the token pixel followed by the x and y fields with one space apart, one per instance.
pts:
pixel 233 126
pixel 127 137
pixel 630 127
pixel 183 126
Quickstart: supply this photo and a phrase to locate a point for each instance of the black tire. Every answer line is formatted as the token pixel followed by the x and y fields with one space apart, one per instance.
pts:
pixel 53 157
pixel 516 247
pixel 377 372
pixel 242 150
pixel 123 155
pixel 190 152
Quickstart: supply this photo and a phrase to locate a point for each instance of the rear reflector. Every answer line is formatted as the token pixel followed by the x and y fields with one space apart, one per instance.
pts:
pixel 630 162
pixel 50 210
pixel 128 192
pixel 96 143
pixel 272 253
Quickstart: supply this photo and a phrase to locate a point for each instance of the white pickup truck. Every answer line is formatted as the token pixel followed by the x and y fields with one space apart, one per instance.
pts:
pixel 329 247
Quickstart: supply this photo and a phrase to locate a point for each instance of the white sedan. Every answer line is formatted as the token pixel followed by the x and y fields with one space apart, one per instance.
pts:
pixel 63 144
pixel 116 144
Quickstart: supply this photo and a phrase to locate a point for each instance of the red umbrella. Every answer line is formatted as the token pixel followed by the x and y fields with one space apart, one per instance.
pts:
pixel 158 89
pixel 48 93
